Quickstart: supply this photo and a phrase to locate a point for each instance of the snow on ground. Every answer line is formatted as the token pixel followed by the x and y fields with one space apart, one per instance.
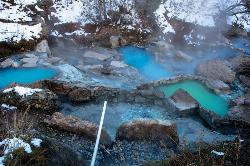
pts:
pixel 8 107
pixel 14 13
pixel 16 32
pixel 198 12
pixel 217 153
pixel 22 91
pixel 12 144
pixel 86 12
pixel 77 33
pixel 79 11
pixel 36 142
pixel 2 160
pixel 10 29
pixel 162 21
pixel 26 2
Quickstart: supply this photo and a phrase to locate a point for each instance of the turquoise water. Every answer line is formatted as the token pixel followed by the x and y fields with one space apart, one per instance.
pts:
pixel 24 75
pixel 207 99
pixel 144 62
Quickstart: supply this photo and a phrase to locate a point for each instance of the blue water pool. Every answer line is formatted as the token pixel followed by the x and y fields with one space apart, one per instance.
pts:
pixel 144 62
pixel 207 99
pixel 24 75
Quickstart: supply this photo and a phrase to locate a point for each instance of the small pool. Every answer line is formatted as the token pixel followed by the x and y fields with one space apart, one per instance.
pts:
pixel 116 114
pixel 142 60
pixel 208 99
pixel 24 75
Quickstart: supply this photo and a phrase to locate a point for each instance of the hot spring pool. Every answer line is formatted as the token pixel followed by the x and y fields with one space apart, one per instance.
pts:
pixel 208 99
pixel 144 62
pixel 24 75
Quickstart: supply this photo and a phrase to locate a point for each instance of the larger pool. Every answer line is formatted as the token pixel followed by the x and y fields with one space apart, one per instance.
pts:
pixel 144 62
pixel 207 99
pixel 24 75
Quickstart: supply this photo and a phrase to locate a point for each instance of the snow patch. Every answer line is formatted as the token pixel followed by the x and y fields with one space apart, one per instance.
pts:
pixel 8 107
pixel 2 160
pixel 11 145
pixel 22 91
pixel 162 21
pixel 218 153
pixel 36 142
pixel 16 32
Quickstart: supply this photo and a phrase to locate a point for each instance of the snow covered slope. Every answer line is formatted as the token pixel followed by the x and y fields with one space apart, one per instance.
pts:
pixel 14 20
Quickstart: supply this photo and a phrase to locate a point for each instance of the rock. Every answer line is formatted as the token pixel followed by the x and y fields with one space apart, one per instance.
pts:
pixel 30 56
pixel 149 130
pixel 98 56
pixel 217 70
pixel 75 125
pixel 183 56
pixel 39 101
pixel 193 134
pixel 71 74
pixel 80 95
pixel 118 64
pixel 53 60
pixel 210 117
pixel 237 61
pixel 43 47
pixel 219 86
pixel 163 46
pixel 30 62
pixel 184 103
pixel 54 149
pixel 9 63
pixel 115 41
pixel 90 67
pixel 240 114
pixel 245 80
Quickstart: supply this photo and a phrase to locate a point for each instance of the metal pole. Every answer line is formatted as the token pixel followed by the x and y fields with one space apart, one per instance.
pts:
pixel 98 135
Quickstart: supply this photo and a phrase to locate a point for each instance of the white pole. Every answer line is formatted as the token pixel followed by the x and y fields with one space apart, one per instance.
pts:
pixel 98 134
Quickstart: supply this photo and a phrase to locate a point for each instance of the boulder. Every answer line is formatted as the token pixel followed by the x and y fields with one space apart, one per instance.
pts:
pixel 240 114
pixel 9 63
pixel 97 56
pixel 37 100
pixel 185 104
pixel 217 70
pixel 115 41
pixel 118 64
pixel 210 117
pixel 75 125
pixel 219 86
pixel 80 95
pixel 238 60
pixel 148 130
pixel 183 56
pixel 30 62
pixel 245 80
pixel 163 46
pixel 43 47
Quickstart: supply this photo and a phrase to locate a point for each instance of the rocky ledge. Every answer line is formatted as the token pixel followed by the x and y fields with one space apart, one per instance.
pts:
pixel 217 86
pixel 185 104
pixel 147 129
pixel 35 100
pixel 75 125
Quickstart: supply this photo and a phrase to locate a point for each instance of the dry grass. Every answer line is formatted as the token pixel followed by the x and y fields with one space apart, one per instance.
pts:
pixel 235 153
pixel 17 124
